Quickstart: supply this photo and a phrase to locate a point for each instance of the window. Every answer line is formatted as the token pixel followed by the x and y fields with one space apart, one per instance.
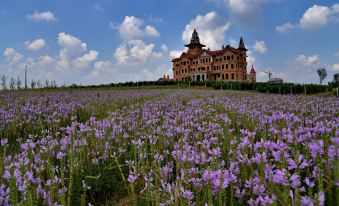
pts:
pixel 232 75
pixel 220 59
pixel 223 77
pixel 224 58
pixel 222 66
pixel 226 66
pixel 232 57
pixel 227 76
pixel 228 57
pixel 232 66
pixel 208 68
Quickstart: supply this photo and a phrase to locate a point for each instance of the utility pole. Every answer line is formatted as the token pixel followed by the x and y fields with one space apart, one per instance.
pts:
pixel 25 76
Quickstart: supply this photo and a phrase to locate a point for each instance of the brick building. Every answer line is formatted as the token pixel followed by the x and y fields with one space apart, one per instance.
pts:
pixel 198 64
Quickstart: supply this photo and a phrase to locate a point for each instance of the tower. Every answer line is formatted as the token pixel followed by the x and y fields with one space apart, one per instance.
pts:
pixel 253 77
pixel 242 49
pixel 194 47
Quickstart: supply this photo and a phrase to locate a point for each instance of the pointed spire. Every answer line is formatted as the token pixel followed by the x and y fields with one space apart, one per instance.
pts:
pixel 195 37
pixel 252 70
pixel 195 40
pixel 242 44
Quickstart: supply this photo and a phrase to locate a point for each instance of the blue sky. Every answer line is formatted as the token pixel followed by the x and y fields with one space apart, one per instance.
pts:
pixel 103 41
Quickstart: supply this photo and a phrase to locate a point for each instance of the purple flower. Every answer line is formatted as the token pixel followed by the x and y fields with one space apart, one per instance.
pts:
pixel 7 175
pixel 307 201
pixel 295 180
pixel 132 178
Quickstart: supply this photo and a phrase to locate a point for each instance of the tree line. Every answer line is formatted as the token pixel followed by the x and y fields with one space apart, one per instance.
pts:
pixel 17 84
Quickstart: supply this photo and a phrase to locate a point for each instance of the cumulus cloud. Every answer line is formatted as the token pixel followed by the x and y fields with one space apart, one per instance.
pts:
pixel 85 60
pixel 36 44
pixel 136 51
pixel 314 17
pixel 285 27
pixel 307 60
pixel 103 72
pixel 250 58
pixel 175 54
pixel 211 28
pixel 260 47
pixel 12 56
pixel 74 63
pixel 335 67
pixel 71 46
pixel 133 27
pixel 244 11
pixel 47 16
pixel 151 31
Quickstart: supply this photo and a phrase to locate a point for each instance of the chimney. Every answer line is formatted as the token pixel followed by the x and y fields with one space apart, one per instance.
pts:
pixel 164 76
pixel 223 47
pixel 167 76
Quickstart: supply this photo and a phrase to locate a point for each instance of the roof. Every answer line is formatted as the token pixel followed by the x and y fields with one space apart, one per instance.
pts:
pixel 195 41
pixel 252 70
pixel 242 45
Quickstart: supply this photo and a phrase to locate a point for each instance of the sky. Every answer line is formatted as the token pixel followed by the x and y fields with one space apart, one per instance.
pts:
pixel 104 41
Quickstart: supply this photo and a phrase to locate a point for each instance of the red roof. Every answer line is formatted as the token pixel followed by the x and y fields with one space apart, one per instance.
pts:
pixel 252 70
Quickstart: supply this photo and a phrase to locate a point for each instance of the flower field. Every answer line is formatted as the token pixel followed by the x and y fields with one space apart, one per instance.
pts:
pixel 168 147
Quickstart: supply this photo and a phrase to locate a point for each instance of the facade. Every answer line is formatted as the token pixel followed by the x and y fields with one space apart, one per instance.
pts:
pixel 198 64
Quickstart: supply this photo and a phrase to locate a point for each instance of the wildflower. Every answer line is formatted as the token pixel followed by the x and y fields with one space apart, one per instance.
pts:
pixel 132 178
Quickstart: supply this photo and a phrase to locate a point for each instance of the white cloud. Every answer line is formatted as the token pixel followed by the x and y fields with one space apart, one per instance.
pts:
pixel 121 54
pixel 335 67
pixel 164 48
pixel 86 59
pixel 244 11
pixel 36 44
pixel 211 28
pixel 71 46
pixel 139 50
pixel 315 17
pixel 307 60
pixel 12 56
pixel 151 31
pixel 133 27
pixel 155 19
pixel 136 51
pixel 285 27
pixel 130 27
pixel 260 47
pixel 250 58
pixel 175 54
pixel 103 72
pixel 98 8
pixel 336 54
pixel 42 16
